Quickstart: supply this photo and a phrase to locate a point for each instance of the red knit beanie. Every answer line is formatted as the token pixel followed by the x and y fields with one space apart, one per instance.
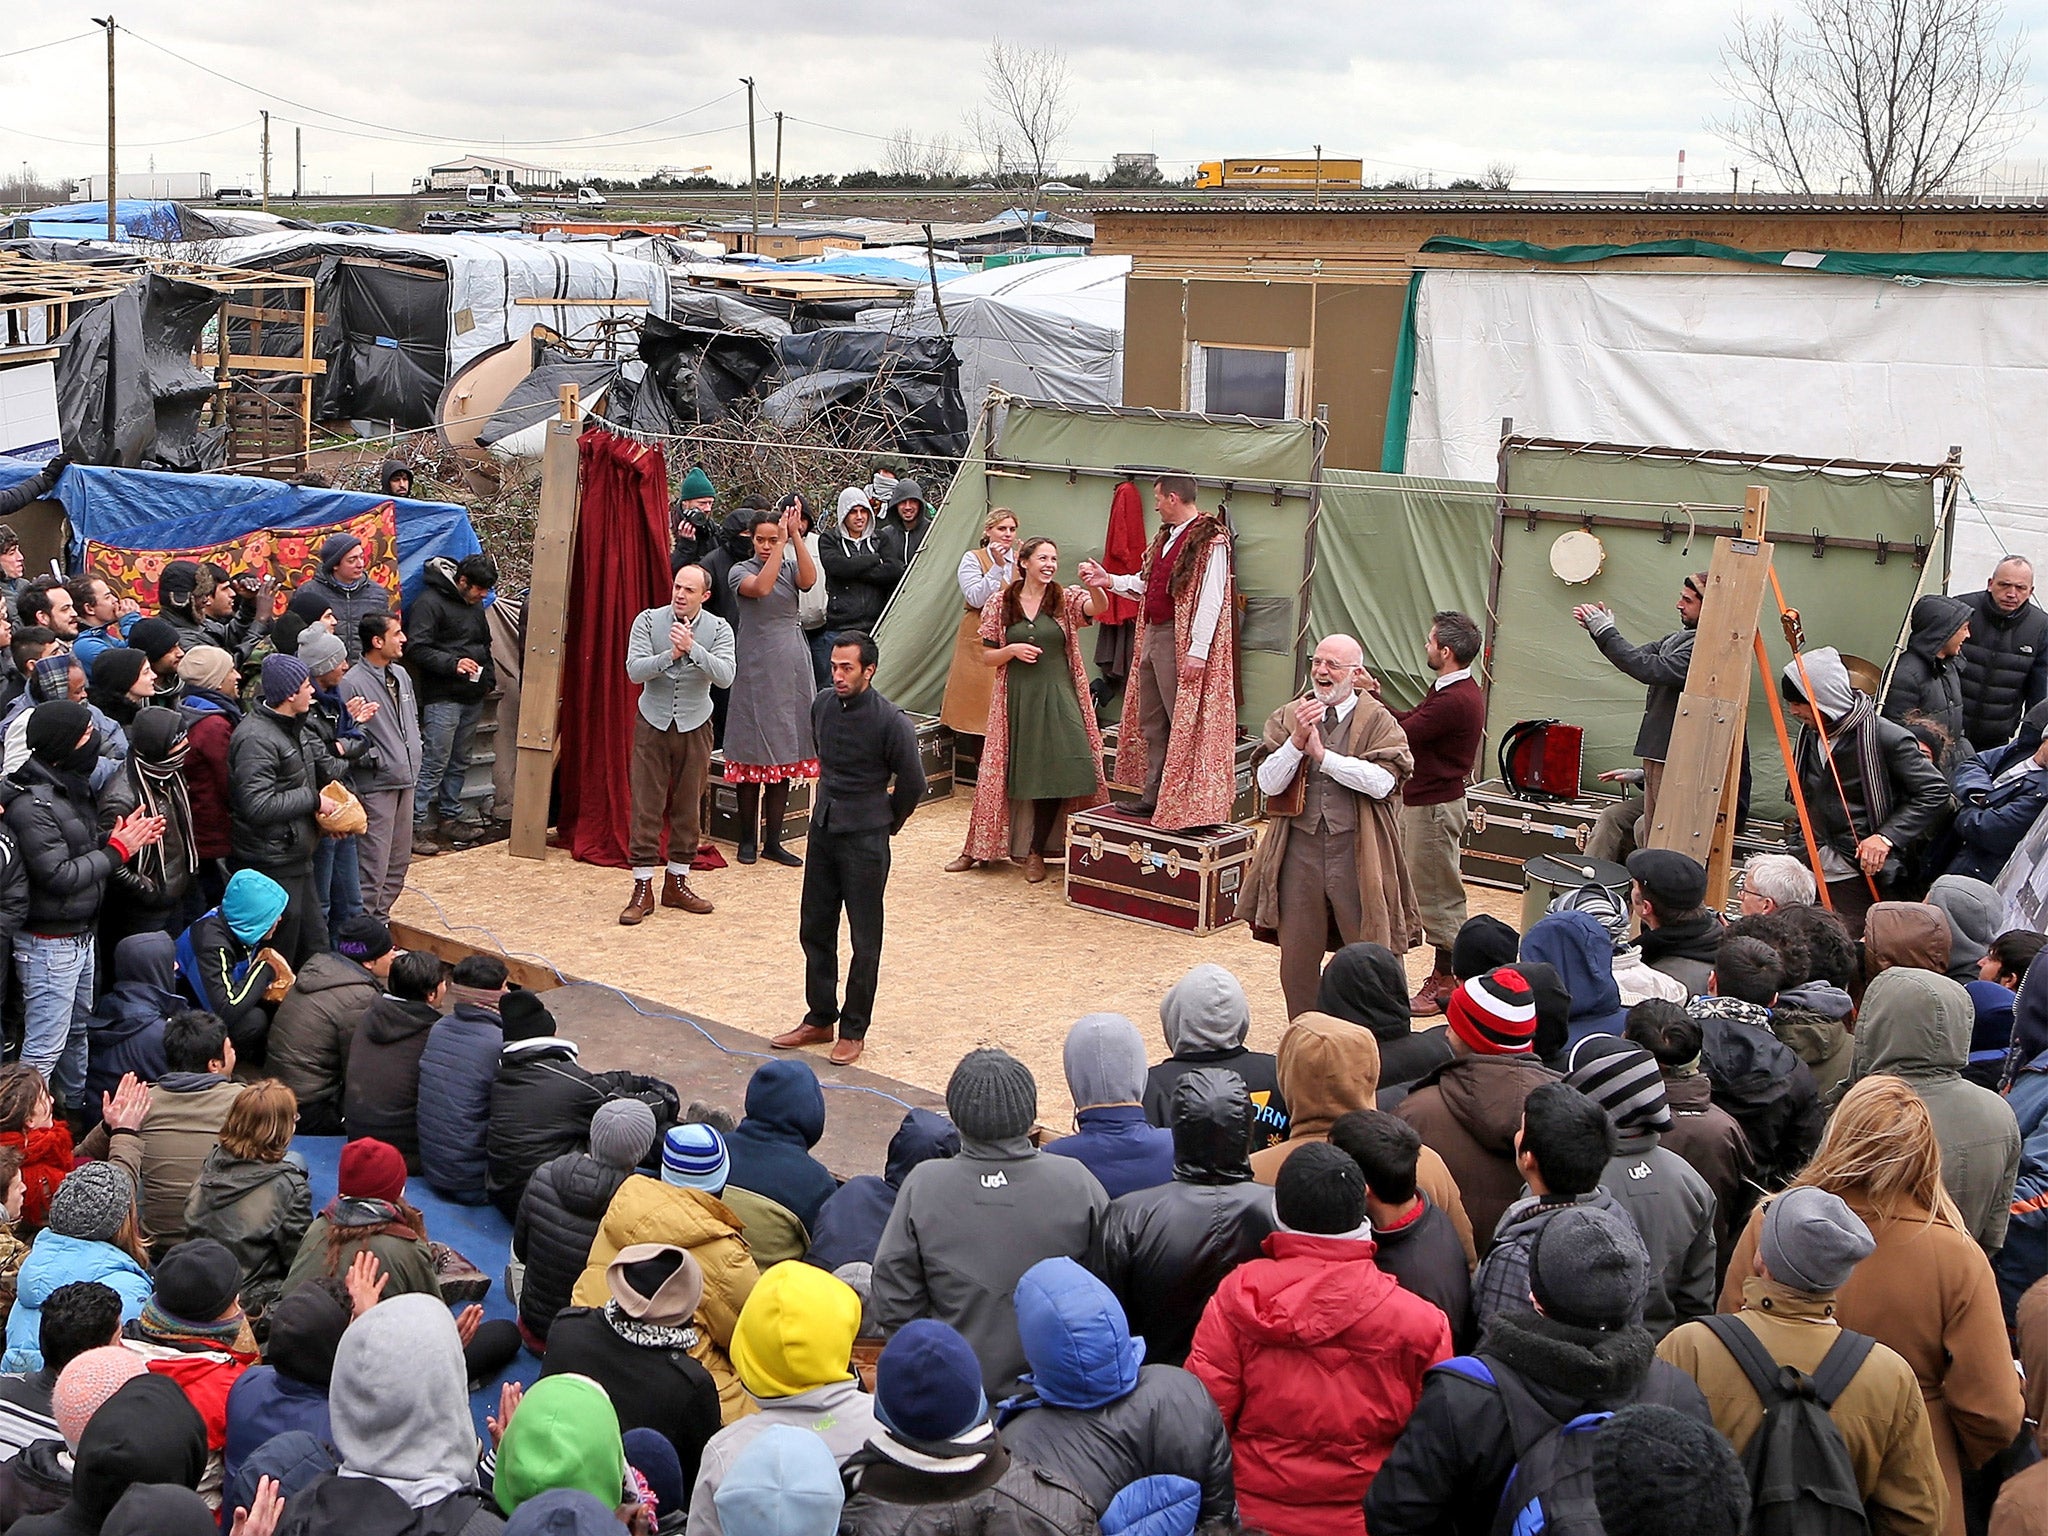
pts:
pixel 372 1170
pixel 1494 1014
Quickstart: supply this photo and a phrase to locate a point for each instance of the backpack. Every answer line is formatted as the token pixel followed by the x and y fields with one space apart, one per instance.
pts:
pixel 1801 1479
pixel 1550 1490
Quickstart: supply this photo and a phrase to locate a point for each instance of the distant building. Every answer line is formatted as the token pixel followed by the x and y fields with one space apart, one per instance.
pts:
pixel 454 175
pixel 1146 164
pixel 785 240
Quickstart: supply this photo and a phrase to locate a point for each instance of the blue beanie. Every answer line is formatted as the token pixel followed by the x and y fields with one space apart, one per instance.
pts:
pixel 785 1483
pixel 694 1157
pixel 283 676
pixel 252 904
pixel 928 1383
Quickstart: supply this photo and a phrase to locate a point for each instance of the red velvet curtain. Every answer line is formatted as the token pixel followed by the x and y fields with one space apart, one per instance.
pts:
pixel 620 567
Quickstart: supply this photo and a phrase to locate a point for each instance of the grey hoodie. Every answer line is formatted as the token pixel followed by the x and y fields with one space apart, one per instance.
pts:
pixel 1832 691
pixel 1105 1061
pixel 1204 1018
pixel 1976 915
pixel 399 1401
pixel 1916 1025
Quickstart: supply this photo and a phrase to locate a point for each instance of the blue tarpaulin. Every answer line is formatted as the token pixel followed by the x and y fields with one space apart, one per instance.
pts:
pixel 140 218
pixel 150 509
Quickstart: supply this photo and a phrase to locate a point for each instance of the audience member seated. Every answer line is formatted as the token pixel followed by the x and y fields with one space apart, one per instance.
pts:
pixel 146 1433
pixel 1366 985
pixel 792 1351
pixel 564 1204
pixel 563 1436
pixel 369 1214
pixel 966 1228
pixel 382 1097
pixel 543 1099
pixel 1581 952
pixel 645 1346
pixel 187 1107
pixel 13 1193
pixel 1992 998
pixel 29 1125
pixel 1561 1150
pixel 1163 1251
pixel 193 1330
pixel 317 1021
pixel 1205 1017
pixel 227 963
pixel 125 1030
pixel 934 1461
pixel 289 1390
pixel 1093 1411
pixel 1314 1355
pixel 682 1209
pixel 850 1223
pixel 1672 1206
pixel 1679 935
pixel 1413 1240
pixel 775 1185
pixel 1105 1066
pixel 1756 1077
pixel 457 1070
pixel 253 1197
pixel 93 1235
pixel 784 1484
pixel 78 1317
pixel 1999 796
pixel 1470 1110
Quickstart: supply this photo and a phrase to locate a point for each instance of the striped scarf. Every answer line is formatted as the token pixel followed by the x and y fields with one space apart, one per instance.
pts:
pixel 1857 729
pixel 230 1335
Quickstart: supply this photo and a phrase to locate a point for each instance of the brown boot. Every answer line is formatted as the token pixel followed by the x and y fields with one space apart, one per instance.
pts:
pixel 676 892
pixel 1034 868
pixel 641 907
pixel 803 1035
pixel 1428 1000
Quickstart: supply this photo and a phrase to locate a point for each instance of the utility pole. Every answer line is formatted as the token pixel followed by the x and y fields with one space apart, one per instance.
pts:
pixel 298 162
pixel 1736 172
pixel 266 160
pixel 778 170
pixel 753 173
pixel 1319 177
pixel 113 181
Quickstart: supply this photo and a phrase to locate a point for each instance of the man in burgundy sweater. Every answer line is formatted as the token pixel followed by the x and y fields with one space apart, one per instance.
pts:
pixel 1444 733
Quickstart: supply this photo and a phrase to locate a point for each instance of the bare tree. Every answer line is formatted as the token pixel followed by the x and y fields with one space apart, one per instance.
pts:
pixel 1023 119
pixel 1895 98
pixel 903 156
pixel 1499 177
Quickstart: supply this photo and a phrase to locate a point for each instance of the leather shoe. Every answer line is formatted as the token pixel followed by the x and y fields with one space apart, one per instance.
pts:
pixel 676 892
pixel 775 853
pixel 1429 998
pixel 641 906
pixel 1139 810
pixel 748 853
pixel 803 1035
pixel 961 865
pixel 1034 868
pixel 846 1053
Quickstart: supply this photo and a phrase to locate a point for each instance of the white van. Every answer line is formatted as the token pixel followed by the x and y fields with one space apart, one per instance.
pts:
pixel 491 194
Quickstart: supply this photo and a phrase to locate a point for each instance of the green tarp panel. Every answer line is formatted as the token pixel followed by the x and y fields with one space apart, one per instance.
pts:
pixel 2010 266
pixel 1028 472
pixel 1544 666
pixel 1391 551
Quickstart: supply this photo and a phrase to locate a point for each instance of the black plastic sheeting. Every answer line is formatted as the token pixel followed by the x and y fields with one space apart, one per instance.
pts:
pixel 385 339
pixel 865 383
pixel 128 393
pixel 694 376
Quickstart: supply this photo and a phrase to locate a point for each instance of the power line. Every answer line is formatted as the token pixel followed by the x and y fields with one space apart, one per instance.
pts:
pixel 44 138
pixel 16 53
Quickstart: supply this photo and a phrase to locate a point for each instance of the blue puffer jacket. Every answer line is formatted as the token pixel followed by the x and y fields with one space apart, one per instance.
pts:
pixel 58 1260
pixel 1582 954
pixel 1124 1150
pixel 849 1225
pixel 125 1031
pixel 1154 1506
pixel 771 1147
pixel 456 1073
pixel 2024 1258
pixel 295 1459
pixel 262 1405
pixel 1993 817
pixel 1990 1032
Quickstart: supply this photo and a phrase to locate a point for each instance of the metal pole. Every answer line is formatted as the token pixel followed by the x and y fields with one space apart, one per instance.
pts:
pixel 266 160
pixel 1319 176
pixel 113 174
pixel 778 170
pixel 298 162
pixel 753 173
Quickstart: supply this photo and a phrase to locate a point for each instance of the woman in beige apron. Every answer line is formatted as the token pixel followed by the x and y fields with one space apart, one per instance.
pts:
pixel 983 573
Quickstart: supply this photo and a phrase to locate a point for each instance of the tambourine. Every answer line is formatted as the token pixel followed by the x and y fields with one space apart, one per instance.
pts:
pixel 1576 557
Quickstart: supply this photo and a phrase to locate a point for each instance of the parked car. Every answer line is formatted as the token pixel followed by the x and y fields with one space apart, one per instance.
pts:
pixel 1058 186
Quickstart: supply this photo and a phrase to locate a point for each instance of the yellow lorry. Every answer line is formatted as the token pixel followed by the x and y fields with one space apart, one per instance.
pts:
pixel 1277 174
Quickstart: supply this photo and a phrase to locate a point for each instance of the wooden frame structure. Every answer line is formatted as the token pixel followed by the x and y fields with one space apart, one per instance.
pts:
pixel 263 376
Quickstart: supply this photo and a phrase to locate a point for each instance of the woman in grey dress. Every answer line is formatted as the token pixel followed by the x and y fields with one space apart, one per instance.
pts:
pixel 768 729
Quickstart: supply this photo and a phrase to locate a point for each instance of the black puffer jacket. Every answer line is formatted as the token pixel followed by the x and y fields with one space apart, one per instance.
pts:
pixel 541 1106
pixel 558 1218
pixel 1165 1250
pixel 2005 668
pixel 274 789
pixel 382 1096
pixel 56 822
pixel 441 630
pixel 1924 682
pixel 1450 1465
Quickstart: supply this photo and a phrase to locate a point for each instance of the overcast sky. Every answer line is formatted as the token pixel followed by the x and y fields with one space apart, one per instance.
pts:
pixel 1572 93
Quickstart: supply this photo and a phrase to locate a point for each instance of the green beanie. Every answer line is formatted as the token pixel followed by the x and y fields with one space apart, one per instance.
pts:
pixel 565 1435
pixel 696 484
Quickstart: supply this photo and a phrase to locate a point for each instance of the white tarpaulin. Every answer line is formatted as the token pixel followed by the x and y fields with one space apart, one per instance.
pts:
pixel 1047 330
pixel 1771 362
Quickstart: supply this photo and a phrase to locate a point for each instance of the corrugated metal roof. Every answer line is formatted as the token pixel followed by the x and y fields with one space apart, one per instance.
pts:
pixel 1669 203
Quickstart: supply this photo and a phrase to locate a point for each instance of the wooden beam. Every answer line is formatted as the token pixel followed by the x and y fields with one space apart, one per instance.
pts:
pixel 1702 770
pixel 554 548
pixel 528 973
pixel 586 303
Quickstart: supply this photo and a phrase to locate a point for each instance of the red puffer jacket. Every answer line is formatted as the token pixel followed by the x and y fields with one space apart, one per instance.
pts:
pixel 1315 1355
pixel 46 1157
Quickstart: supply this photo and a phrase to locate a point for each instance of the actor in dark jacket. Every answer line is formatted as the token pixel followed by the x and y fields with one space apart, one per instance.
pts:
pixel 771 1147
pixel 382 1095
pixel 849 1224
pixel 1927 680
pixel 2005 660
pixel 316 1023
pixel 1661 665
pixel 564 1204
pixel 457 1070
pixel 1163 1251
pixel 1094 1414
pixel 274 782
pixel 1581 1352
pixel 543 1099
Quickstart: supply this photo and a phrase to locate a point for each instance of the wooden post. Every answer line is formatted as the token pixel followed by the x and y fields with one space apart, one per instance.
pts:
pixel 540 679
pixel 1703 767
